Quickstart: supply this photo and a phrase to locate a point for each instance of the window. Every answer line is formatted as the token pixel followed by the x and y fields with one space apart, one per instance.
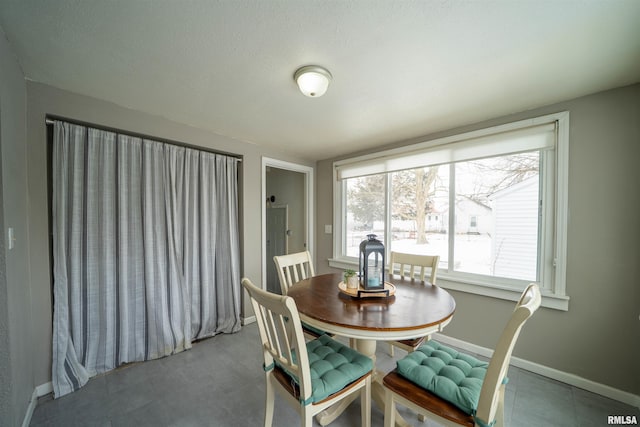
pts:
pixel 365 213
pixel 491 203
pixel 473 222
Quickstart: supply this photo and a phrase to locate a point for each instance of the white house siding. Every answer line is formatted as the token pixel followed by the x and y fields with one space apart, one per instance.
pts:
pixel 516 231
pixel 467 208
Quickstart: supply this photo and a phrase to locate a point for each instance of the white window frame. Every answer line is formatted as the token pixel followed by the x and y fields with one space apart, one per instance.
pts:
pixel 553 241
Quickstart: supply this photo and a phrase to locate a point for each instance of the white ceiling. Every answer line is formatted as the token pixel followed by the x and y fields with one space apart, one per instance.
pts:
pixel 401 69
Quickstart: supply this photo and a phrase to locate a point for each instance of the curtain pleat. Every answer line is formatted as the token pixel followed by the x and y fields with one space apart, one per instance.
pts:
pixel 132 313
pixel 179 318
pixel 146 251
pixel 227 255
pixel 68 222
pixel 192 239
pixel 99 282
pixel 208 306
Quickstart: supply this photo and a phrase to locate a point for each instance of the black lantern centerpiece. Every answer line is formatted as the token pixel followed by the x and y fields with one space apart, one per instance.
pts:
pixel 371 263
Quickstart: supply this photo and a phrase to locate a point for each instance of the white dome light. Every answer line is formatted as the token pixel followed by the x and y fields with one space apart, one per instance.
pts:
pixel 312 80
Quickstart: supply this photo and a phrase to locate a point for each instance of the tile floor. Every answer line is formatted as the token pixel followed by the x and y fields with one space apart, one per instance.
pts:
pixel 220 382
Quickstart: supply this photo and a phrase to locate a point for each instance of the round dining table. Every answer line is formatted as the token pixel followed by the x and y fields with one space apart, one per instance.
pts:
pixel 415 309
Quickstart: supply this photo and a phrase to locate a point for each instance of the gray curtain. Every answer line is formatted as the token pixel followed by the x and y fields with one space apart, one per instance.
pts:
pixel 145 247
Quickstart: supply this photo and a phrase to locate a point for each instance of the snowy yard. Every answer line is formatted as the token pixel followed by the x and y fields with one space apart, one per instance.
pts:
pixel 473 252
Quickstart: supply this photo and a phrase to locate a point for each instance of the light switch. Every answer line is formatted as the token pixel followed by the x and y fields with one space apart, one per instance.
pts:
pixel 328 229
pixel 11 237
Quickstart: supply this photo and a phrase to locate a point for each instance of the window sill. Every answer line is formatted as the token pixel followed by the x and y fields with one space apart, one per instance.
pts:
pixel 549 300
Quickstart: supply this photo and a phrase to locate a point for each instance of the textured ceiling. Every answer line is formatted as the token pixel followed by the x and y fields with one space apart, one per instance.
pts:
pixel 401 69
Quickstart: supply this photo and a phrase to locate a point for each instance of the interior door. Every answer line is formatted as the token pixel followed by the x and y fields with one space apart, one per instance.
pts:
pixel 277 226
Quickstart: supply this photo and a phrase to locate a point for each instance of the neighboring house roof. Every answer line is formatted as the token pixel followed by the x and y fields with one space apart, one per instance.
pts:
pixel 462 197
pixel 516 187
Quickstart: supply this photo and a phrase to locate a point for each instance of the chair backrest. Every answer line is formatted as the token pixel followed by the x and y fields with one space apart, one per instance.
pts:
pixel 497 370
pixel 409 263
pixel 281 335
pixel 293 268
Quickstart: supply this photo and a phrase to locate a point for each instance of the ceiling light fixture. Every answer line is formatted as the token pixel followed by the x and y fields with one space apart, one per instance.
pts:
pixel 312 80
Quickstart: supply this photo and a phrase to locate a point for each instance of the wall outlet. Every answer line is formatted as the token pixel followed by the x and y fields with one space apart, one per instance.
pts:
pixel 328 229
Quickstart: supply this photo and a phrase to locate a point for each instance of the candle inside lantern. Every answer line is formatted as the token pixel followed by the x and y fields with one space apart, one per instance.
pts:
pixel 373 277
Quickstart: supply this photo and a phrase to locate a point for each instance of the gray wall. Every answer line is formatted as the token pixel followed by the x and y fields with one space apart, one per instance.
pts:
pixel 42 100
pixel 16 354
pixel 599 337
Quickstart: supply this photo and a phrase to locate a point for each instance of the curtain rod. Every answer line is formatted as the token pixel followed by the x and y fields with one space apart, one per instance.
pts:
pixel 49 121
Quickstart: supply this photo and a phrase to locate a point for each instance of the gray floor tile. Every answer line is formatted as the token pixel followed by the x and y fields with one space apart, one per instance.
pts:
pixel 540 401
pixel 220 382
pixel 594 410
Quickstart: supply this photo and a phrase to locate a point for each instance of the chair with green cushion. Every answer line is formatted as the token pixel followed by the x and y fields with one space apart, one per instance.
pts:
pixel 453 388
pixel 412 266
pixel 312 376
pixel 291 269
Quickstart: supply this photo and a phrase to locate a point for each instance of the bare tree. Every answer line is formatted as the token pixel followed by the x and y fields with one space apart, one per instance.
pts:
pixel 413 192
pixel 365 198
pixel 412 196
pixel 499 173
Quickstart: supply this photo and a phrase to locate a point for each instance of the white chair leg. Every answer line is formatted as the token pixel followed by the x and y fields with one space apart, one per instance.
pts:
pixel 389 409
pixel 269 403
pixel 390 349
pixel 306 417
pixel 365 404
pixel 500 408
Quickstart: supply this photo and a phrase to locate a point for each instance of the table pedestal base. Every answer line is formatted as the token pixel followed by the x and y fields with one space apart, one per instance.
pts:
pixel 368 348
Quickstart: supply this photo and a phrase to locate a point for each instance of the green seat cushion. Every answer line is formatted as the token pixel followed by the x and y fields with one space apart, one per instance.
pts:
pixel 333 366
pixel 453 376
pixel 315 331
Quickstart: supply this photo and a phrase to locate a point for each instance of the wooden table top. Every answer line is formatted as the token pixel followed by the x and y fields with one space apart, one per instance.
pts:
pixel 417 308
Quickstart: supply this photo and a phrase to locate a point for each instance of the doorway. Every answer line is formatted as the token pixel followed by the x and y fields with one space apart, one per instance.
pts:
pixel 277 241
pixel 287 214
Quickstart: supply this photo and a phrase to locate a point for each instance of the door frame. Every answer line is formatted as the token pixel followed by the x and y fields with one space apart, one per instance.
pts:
pixel 307 171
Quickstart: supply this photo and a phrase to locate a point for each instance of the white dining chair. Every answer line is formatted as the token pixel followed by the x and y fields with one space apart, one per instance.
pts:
pixel 453 388
pixel 412 266
pixel 291 269
pixel 311 376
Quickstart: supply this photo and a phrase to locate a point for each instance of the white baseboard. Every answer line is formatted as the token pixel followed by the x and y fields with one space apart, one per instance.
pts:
pixel 248 320
pixel 32 407
pixel 565 377
pixel 39 391
pixel 44 389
